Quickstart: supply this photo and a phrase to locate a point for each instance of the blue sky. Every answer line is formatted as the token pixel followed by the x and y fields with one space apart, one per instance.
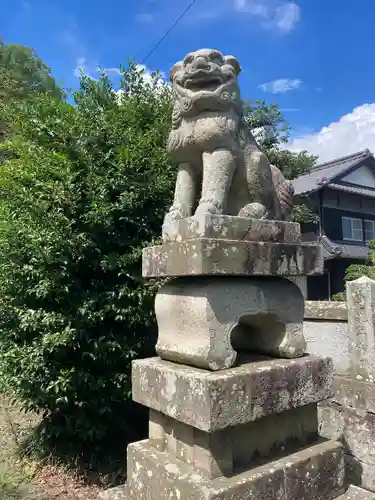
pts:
pixel 313 57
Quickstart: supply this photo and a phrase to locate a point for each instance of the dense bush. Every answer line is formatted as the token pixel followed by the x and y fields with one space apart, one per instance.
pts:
pixel 85 193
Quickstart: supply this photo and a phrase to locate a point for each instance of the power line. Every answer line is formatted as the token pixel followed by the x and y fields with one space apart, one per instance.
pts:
pixel 170 29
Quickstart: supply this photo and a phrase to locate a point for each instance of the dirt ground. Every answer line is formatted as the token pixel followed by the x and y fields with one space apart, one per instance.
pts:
pixel 27 479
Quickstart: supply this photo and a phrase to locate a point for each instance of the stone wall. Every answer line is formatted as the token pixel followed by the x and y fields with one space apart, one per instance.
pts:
pixel 347 334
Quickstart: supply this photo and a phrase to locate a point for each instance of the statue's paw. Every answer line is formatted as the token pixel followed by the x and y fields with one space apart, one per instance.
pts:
pixel 169 229
pixel 206 208
pixel 174 214
pixel 254 211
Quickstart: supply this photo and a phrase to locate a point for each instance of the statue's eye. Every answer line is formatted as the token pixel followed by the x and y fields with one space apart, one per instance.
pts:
pixel 188 59
pixel 216 57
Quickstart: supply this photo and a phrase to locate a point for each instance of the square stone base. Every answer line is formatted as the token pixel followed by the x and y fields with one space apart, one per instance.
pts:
pixel 211 401
pixel 315 473
pixel 352 493
pixel 356 430
pixel 227 227
pixel 208 256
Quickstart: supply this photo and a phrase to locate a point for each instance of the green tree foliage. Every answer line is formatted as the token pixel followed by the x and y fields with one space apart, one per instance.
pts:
pixel 83 192
pixel 86 192
pixel 23 74
pixel 355 271
pixel 272 133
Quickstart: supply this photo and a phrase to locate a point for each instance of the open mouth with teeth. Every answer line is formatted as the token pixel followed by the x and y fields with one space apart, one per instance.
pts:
pixel 202 81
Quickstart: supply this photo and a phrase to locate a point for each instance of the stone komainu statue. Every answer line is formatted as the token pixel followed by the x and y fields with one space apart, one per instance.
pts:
pixel 221 169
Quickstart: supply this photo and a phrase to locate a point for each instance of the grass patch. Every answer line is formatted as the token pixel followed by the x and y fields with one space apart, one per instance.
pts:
pixel 16 474
pixel 24 475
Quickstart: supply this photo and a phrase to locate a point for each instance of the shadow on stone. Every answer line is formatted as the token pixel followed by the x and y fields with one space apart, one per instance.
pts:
pixel 353 467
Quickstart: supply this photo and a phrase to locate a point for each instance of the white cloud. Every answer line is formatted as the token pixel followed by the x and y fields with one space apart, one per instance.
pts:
pixel 147 77
pixel 278 15
pixel 281 85
pixel 287 16
pixel 116 71
pixel 145 17
pixel 147 74
pixel 351 133
pixel 81 66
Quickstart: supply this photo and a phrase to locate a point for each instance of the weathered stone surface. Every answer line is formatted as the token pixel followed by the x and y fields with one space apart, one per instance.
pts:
pixel 205 321
pixel 359 473
pixel 212 401
pixel 318 470
pixel 361 307
pixel 117 493
pixel 226 227
pixel 354 393
pixel 276 434
pixel 356 493
pixel 329 338
pixel 219 453
pixel 356 430
pixel 325 310
pixel 219 162
pixel 207 256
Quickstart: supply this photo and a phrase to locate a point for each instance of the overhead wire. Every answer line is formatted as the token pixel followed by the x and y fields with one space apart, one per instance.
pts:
pixel 168 31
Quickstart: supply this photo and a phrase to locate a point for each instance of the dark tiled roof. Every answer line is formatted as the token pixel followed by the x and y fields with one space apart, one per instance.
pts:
pixel 322 174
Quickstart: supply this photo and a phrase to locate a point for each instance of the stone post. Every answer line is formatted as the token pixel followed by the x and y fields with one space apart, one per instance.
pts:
pixel 350 415
pixel 361 316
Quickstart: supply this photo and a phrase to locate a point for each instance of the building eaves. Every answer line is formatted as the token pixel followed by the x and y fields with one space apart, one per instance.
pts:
pixel 334 250
pixel 369 193
pixel 321 175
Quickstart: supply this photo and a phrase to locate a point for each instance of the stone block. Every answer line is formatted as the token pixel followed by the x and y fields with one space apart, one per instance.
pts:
pixel 318 469
pixel 211 401
pixel 273 435
pixel 354 393
pixel 208 256
pixel 213 453
pixel 226 227
pixel 117 493
pixel 205 321
pixel 356 430
pixel 329 338
pixel 219 453
pixel 324 310
pixel 356 493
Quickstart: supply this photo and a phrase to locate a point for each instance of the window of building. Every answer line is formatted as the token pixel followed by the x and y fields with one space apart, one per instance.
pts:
pixel 352 229
pixel 369 226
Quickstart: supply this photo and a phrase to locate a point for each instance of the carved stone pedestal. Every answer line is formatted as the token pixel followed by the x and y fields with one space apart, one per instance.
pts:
pixel 232 397
pixel 241 433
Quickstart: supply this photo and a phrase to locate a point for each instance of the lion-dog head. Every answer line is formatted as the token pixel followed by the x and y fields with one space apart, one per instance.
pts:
pixel 205 72
pixel 204 87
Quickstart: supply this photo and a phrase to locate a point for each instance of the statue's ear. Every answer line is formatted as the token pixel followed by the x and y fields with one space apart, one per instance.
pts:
pixel 174 69
pixel 232 61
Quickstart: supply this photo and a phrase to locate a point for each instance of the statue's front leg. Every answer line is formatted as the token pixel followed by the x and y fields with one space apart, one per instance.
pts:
pixel 184 195
pixel 218 169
